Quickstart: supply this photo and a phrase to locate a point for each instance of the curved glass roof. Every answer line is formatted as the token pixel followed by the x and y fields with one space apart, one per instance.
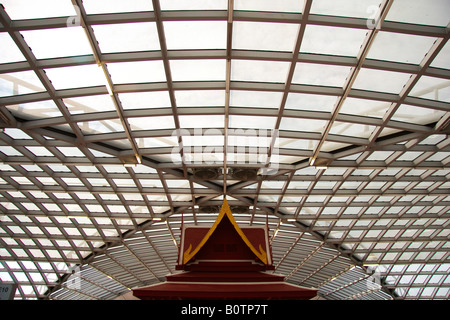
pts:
pixel 122 121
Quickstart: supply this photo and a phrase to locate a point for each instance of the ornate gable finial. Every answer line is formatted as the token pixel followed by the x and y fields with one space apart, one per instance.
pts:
pixel 225 212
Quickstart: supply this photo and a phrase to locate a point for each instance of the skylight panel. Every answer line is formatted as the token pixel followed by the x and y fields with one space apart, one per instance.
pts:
pixel 202 121
pixel 427 12
pixel 251 122
pixel 198 70
pixel 25 9
pixel 111 6
pixel 34 110
pixel 442 60
pixel 17 83
pixel 137 72
pixel 10 52
pixel 152 123
pixel 200 98
pixel 432 88
pixel 297 144
pixel 345 8
pixel 195 34
pixel 203 140
pixel 17 134
pixel 58 168
pixel 32 168
pixel 76 77
pixel 329 146
pixel 332 40
pixel 319 74
pixel 157 142
pixel 259 99
pixel 302 101
pixel 264 36
pixel 399 47
pixel 417 115
pixel 40 151
pixel 143 100
pixel 88 104
pixel 268 5
pixel 351 130
pixel 303 125
pixel 103 126
pixel 381 81
pixel 259 71
pixel 71 152
pixel 125 37
pixel 194 5
pixel 60 42
pixel 364 107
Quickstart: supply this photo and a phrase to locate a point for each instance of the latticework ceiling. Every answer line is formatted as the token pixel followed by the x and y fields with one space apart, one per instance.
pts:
pixel 123 120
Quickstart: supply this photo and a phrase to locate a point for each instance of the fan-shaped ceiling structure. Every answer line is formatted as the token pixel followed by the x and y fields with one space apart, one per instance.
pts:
pixel 326 120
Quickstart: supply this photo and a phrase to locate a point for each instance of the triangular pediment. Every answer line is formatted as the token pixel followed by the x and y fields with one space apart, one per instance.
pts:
pixel 225 222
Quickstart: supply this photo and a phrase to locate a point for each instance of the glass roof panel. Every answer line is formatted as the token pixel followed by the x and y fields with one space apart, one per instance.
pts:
pixel 152 123
pixel 417 115
pixel 193 5
pixel 204 121
pixel 436 12
pixel 25 9
pixel 104 126
pixel 398 47
pixel 76 77
pixel 266 5
pixel 351 130
pixel 442 60
pixel 33 110
pixel 379 80
pixel 319 74
pixel 306 125
pixel 365 107
pixel 251 122
pixel 297 144
pixel 137 72
pixel 432 88
pixel 126 37
pixel 142 100
pixel 16 134
pixel 259 99
pixel 198 70
pixel 109 6
pixel 265 71
pixel 200 98
pixel 10 52
pixel 332 40
pixel 345 8
pixel 89 104
pixel 303 101
pixel 17 83
pixel 264 36
pixel 71 42
pixel 195 34
pixel 157 142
